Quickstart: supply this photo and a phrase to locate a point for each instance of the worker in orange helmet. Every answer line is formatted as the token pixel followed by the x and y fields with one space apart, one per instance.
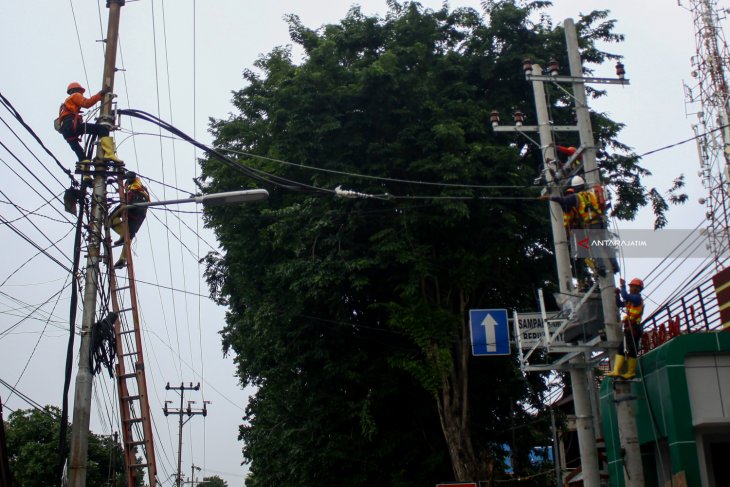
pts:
pixel 634 304
pixel 71 124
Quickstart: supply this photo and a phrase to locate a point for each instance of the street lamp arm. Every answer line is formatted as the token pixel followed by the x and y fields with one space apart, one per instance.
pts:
pixel 213 199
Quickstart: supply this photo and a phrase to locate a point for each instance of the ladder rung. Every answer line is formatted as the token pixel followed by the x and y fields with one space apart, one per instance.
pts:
pixel 124 310
pixel 124 332
pixel 133 420
pixel 129 354
pixel 138 465
pixel 127 376
pixel 135 443
pixel 122 288
pixel 130 398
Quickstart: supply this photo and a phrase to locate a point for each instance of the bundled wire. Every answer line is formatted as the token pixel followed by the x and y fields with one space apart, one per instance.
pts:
pixel 103 344
pixel 256 174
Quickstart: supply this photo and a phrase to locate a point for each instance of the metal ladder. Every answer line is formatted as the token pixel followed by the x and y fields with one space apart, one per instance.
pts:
pixel 139 452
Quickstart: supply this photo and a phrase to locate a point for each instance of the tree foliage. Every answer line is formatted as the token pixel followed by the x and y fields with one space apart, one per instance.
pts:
pixel 214 481
pixel 32 439
pixel 351 314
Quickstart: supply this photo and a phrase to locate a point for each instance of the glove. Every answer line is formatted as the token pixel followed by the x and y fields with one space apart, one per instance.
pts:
pixel 103 91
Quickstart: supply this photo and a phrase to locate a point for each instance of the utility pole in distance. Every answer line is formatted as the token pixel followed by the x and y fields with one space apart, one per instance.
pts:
pixel 84 377
pixel 180 412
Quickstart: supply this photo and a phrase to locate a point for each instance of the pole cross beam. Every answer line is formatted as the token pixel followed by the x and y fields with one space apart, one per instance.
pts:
pixel 180 413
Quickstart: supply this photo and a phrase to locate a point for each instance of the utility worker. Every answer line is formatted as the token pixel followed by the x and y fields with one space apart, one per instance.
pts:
pixel 72 126
pixel 134 192
pixel 583 208
pixel 634 304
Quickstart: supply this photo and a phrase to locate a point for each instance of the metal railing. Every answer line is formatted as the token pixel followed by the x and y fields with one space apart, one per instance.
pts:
pixel 696 311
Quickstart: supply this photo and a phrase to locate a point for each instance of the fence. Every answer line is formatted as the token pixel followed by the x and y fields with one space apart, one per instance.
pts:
pixel 696 311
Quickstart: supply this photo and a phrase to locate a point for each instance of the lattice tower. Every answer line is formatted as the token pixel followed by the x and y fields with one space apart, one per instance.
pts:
pixel 708 96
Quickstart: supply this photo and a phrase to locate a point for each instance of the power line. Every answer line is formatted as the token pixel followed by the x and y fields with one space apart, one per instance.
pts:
pixel 26 317
pixel 6 103
pixel 53 195
pixel 30 241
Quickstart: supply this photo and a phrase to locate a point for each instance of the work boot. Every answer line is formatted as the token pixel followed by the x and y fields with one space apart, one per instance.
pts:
pixel 618 364
pixel 631 369
pixel 121 264
pixel 118 243
pixel 109 150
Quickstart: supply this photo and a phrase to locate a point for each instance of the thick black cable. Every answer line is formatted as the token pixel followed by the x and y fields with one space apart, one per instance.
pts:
pixel 62 445
pixel 256 174
pixel 6 103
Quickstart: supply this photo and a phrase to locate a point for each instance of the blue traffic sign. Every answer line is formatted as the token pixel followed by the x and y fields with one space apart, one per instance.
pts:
pixel 489 332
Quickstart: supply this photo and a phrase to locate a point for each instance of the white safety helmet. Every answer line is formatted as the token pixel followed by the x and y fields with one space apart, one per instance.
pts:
pixel 577 182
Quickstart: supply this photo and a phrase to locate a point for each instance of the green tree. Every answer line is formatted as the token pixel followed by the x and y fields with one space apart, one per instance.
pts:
pixel 32 440
pixel 351 314
pixel 214 481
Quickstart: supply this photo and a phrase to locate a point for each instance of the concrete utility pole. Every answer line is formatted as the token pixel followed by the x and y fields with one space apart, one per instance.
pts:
pixel 578 376
pixel 84 377
pixel 625 412
pixel 180 412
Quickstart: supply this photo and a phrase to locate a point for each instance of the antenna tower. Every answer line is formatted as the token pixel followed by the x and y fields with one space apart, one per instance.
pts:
pixel 709 90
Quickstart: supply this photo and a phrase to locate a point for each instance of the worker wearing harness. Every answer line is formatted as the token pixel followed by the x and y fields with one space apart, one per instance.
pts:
pixel 634 304
pixel 584 209
pixel 71 124
pixel 134 192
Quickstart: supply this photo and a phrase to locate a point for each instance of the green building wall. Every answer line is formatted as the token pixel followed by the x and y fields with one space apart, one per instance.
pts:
pixel 662 408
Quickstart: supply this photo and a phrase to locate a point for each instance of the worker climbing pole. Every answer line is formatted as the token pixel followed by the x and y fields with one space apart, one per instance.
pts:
pixel 104 165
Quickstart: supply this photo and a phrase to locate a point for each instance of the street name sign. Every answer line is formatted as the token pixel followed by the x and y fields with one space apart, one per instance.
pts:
pixel 489 332
pixel 532 328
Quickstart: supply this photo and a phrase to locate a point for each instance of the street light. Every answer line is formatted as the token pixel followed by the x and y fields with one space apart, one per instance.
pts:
pixel 214 199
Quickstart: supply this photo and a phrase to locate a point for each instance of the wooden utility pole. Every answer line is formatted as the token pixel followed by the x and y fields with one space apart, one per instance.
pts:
pixel 180 412
pixel 84 377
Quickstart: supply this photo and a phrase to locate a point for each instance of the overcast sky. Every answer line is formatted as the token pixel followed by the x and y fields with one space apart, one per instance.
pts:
pixel 182 59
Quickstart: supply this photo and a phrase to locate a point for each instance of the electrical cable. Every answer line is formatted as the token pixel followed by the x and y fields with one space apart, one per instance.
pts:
pixel 62 445
pixel 30 151
pixel 34 404
pixel 33 212
pixel 252 173
pixel 6 103
pixel 54 196
pixel 30 241
pixel 376 178
pixel 30 259
pixel 35 347
pixel 53 244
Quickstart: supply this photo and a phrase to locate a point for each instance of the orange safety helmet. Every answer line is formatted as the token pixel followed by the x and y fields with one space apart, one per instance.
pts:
pixel 637 282
pixel 74 86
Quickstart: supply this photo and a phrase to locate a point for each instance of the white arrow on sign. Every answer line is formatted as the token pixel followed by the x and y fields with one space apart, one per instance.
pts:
pixel 490 329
